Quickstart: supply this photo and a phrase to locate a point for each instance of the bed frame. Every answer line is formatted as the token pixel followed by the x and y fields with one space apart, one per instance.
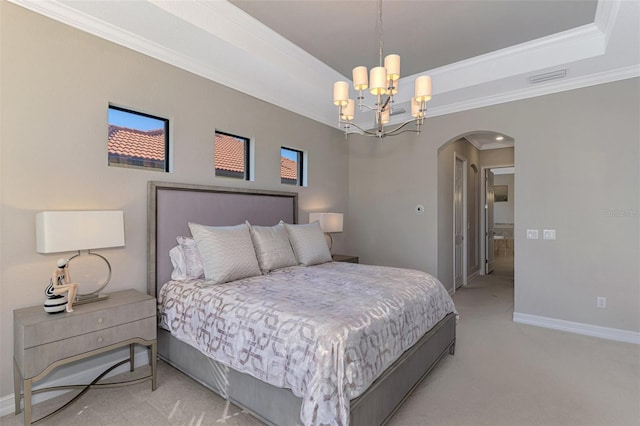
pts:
pixel 170 207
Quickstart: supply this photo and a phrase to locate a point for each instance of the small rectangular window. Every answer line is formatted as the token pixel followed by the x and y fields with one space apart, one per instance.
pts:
pixel 231 157
pixel 137 140
pixel 291 166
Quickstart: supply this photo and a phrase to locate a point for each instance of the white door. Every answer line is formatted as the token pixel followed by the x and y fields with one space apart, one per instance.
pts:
pixel 489 231
pixel 458 223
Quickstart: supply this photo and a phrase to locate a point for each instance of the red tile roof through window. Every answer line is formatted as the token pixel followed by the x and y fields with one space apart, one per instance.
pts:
pixel 136 143
pixel 229 153
pixel 288 168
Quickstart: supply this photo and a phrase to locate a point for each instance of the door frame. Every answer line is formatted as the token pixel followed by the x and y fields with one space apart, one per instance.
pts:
pixel 483 216
pixel 456 157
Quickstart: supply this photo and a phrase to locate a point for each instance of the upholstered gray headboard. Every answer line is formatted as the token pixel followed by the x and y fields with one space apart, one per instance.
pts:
pixel 171 206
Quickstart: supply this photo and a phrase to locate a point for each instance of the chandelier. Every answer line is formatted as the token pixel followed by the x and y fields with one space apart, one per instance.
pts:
pixel 383 85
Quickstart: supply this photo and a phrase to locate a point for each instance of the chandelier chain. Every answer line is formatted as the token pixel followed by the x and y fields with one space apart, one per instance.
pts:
pixel 381 34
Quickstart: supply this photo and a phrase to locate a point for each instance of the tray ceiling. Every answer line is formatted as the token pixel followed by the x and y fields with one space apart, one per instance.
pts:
pixel 289 53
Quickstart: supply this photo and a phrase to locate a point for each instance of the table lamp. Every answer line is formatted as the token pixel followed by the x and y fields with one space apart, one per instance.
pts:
pixel 62 231
pixel 329 223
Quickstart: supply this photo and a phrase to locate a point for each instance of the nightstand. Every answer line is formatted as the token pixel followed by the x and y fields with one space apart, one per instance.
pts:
pixel 43 342
pixel 345 258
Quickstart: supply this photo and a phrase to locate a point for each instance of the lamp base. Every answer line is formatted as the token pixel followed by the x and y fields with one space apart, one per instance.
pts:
pixel 89 298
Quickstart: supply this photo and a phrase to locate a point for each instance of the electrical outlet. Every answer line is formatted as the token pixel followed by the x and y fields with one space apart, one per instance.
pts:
pixel 601 302
pixel 532 234
pixel 549 234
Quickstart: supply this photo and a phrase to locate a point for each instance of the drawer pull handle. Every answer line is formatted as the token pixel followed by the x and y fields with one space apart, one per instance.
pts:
pixel 100 320
pixel 99 339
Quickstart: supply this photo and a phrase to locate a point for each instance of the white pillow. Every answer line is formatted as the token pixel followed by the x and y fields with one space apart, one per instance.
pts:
pixel 272 247
pixel 179 272
pixel 186 261
pixel 308 243
pixel 227 252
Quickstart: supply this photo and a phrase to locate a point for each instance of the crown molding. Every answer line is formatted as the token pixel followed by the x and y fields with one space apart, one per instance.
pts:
pixel 232 33
pixel 531 92
pixel 520 94
pixel 253 48
pixel 606 15
pixel 572 45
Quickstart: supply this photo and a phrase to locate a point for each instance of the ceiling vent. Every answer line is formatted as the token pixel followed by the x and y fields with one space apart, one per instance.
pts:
pixel 397 111
pixel 541 78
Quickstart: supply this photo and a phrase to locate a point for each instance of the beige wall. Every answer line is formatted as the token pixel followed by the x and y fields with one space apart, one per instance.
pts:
pixel 577 160
pixel 575 171
pixel 56 86
pixel 497 157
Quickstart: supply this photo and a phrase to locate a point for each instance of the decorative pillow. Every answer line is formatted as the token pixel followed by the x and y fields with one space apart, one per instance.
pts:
pixel 186 261
pixel 179 272
pixel 272 247
pixel 309 244
pixel 227 252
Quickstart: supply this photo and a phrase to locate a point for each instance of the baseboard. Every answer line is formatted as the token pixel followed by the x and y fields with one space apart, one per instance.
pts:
pixel 579 328
pixel 7 404
pixel 473 276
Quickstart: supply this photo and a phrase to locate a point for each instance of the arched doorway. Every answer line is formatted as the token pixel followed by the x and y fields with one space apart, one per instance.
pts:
pixel 462 162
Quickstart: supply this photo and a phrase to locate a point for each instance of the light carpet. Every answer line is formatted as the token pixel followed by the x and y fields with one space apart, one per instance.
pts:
pixel 503 373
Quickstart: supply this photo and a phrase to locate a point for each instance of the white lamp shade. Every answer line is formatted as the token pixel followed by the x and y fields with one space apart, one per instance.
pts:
pixel 423 88
pixel 378 81
pixel 392 64
pixel 340 93
pixel 329 222
pixel 360 79
pixel 348 111
pixel 59 231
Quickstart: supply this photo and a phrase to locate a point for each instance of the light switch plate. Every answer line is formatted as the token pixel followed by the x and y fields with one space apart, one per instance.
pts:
pixel 549 234
pixel 532 234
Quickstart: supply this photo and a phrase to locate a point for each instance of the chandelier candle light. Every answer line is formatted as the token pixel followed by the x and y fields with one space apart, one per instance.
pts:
pixel 383 84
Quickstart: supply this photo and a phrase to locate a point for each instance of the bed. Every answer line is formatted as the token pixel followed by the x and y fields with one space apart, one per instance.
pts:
pixel 171 207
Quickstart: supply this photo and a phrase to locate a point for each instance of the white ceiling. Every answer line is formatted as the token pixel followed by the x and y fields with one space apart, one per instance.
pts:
pixel 426 34
pixel 478 52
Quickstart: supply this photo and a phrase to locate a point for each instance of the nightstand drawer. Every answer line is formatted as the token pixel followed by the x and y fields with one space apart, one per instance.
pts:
pixel 40 357
pixel 79 322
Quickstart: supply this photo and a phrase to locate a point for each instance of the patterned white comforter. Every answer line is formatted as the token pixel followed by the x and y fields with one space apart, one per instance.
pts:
pixel 326 332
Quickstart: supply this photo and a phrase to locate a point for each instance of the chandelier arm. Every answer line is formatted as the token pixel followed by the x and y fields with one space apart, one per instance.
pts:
pixel 367 132
pixel 403 131
pixel 386 102
pixel 395 131
pixel 370 108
